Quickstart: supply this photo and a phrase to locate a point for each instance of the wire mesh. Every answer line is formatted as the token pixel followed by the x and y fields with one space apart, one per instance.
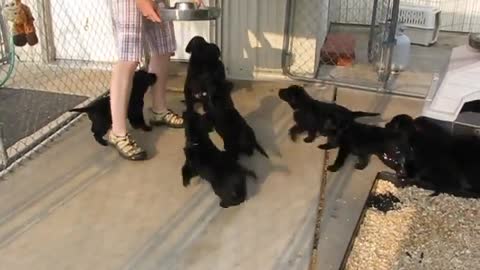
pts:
pixel 70 66
pixel 334 40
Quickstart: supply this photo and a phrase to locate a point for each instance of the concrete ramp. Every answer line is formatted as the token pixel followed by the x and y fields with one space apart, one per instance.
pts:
pixel 78 205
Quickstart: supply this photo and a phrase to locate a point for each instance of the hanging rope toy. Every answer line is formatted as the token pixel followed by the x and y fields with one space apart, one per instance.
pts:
pixel 23 29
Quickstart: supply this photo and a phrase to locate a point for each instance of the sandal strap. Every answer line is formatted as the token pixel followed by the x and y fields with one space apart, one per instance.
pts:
pixel 128 145
pixel 172 118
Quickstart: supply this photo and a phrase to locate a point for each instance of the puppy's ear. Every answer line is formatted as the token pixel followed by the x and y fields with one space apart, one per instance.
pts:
pixel 195 43
pixel 218 54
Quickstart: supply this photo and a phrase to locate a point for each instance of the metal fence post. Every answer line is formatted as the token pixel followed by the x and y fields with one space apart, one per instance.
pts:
pixel 3 150
pixel 390 44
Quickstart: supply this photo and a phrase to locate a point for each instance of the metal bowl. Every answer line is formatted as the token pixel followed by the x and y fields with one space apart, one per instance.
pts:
pixel 187 11
pixel 185 6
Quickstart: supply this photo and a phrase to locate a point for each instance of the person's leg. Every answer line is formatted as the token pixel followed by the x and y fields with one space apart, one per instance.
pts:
pixel 120 89
pixel 160 41
pixel 127 25
pixel 159 66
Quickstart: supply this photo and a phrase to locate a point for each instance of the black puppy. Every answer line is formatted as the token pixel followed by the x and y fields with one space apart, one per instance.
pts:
pixel 441 162
pixel 312 116
pixel 363 140
pixel 204 159
pixel 205 70
pixel 238 137
pixel 99 111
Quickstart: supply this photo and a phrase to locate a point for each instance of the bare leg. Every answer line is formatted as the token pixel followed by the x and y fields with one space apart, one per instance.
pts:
pixel 161 114
pixel 159 66
pixel 120 88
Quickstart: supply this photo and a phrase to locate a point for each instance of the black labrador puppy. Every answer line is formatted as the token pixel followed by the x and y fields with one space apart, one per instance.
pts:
pixel 440 162
pixel 99 111
pixel 205 70
pixel 238 137
pixel 363 141
pixel 313 116
pixel 219 168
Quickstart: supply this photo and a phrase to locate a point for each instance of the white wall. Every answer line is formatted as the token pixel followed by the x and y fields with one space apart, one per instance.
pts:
pixel 252 38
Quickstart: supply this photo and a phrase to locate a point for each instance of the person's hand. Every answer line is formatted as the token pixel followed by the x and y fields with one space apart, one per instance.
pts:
pixel 148 9
pixel 199 3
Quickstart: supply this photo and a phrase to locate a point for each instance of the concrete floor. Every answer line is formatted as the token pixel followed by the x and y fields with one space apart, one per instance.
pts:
pixel 78 205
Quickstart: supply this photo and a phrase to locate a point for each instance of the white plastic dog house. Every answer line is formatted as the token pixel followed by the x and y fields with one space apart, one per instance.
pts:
pixel 460 85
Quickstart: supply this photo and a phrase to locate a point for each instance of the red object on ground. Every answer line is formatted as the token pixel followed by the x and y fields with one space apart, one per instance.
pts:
pixel 338 49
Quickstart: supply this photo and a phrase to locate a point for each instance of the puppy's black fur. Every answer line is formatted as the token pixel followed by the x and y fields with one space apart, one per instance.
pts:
pixel 205 70
pixel 441 162
pixel 99 111
pixel 363 140
pixel 204 159
pixel 313 116
pixel 238 137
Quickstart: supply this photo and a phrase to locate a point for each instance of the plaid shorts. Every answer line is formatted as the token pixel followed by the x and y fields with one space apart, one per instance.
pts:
pixel 133 32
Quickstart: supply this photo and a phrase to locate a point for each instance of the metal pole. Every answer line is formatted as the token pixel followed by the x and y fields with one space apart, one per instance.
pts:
pixel 372 33
pixel 391 42
pixel 3 150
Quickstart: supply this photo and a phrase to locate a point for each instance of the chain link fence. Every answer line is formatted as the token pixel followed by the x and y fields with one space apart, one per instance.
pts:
pixel 332 41
pixel 350 43
pixel 69 67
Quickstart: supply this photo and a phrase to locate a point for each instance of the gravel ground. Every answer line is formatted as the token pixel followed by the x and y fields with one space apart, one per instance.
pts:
pixel 438 233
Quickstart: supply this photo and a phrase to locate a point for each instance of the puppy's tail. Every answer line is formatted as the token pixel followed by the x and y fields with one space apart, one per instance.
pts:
pixel 364 114
pixel 261 150
pixel 80 110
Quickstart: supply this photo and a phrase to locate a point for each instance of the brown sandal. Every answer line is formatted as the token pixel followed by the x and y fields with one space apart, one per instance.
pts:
pixel 127 147
pixel 169 118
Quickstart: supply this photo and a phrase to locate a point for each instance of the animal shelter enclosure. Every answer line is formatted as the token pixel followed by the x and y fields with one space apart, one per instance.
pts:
pixel 352 42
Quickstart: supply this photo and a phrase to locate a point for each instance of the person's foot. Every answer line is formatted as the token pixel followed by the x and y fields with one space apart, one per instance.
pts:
pixel 127 147
pixel 167 118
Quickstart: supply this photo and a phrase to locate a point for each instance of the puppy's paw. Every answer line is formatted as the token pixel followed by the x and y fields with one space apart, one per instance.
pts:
pixel 293 136
pixel 324 146
pixel 333 168
pixel 101 141
pixel 223 204
pixel 147 128
pixel 309 139
pixel 360 166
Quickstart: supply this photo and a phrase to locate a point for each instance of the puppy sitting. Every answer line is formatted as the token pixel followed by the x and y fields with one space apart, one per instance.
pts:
pixel 205 69
pixel 238 137
pixel 310 115
pixel 440 162
pixel 221 170
pixel 99 111
pixel 362 140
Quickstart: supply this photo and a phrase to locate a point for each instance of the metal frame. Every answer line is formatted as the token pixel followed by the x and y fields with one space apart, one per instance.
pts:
pixel 388 46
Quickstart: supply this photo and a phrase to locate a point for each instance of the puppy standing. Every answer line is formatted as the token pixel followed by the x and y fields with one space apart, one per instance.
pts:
pixel 238 137
pixel 204 159
pixel 362 140
pixel 99 111
pixel 205 70
pixel 313 116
